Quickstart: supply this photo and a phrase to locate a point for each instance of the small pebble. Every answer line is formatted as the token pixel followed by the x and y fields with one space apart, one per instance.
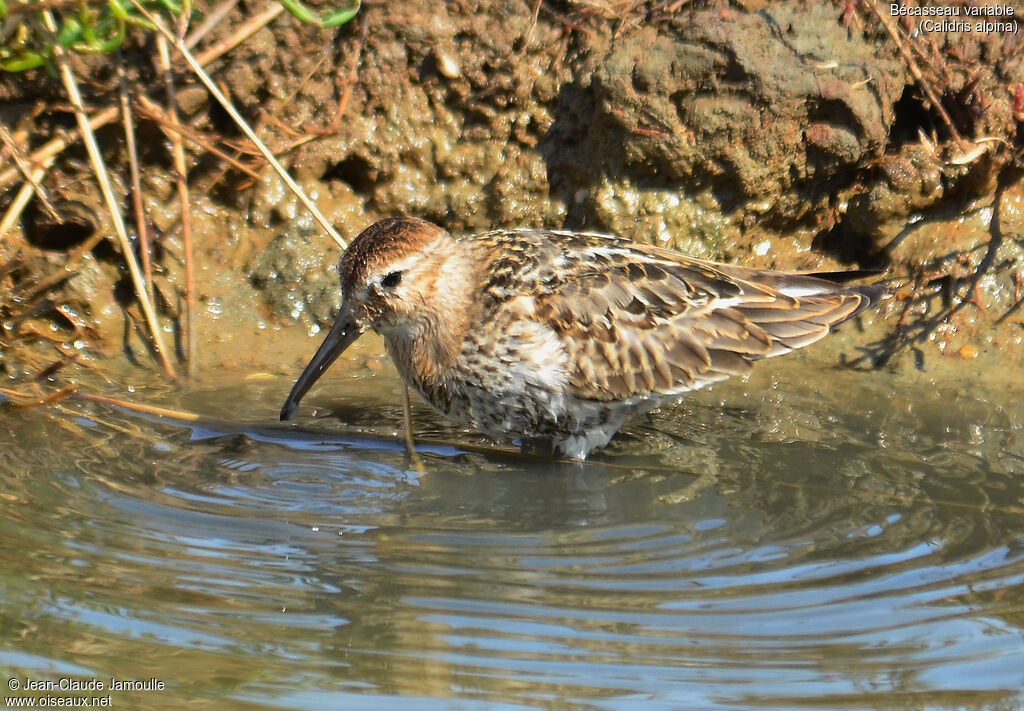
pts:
pixel 446 64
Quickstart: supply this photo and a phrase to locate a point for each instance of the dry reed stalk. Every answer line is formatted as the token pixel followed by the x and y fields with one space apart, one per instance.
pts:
pixel 71 85
pixel 156 113
pixel 54 146
pixel 141 228
pixel 918 76
pixel 241 123
pixel 20 201
pixel 138 407
pixel 248 28
pixel 178 151
pixel 51 148
pixel 20 399
pixel 211 21
pixel 27 171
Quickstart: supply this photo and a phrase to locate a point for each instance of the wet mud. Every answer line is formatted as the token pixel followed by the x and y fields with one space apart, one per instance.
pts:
pixel 790 135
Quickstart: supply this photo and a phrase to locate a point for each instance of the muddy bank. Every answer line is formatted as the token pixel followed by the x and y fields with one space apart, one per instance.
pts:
pixel 795 136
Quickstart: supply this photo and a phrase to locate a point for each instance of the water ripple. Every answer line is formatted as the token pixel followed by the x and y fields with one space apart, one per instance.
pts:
pixel 774 560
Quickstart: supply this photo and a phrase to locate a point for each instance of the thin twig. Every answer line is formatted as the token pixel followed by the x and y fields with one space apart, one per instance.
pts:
pixel 211 21
pixel 324 58
pixel 54 146
pixel 533 26
pixel 141 228
pixel 139 407
pixel 154 112
pixel 347 84
pixel 127 431
pixel 27 172
pixel 20 399
pixel 19 203
pixel 249 28
pixel 916 72
pixel 302 140
pixel 71 85
pixel 241 123
pixel 22 198
pixel 32 290
pixel 181 169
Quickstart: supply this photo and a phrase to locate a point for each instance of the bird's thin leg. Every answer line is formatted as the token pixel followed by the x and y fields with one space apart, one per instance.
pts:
pixel 410 452
pixel 407 416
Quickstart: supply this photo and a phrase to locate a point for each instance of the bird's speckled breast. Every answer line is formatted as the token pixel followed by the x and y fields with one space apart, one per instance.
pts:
pixel 509 380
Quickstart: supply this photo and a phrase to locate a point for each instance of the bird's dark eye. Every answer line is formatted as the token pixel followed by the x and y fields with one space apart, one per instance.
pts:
pixel 391 280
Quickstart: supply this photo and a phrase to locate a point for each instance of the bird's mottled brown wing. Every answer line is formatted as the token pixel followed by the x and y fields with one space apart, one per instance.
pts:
pixel 639 320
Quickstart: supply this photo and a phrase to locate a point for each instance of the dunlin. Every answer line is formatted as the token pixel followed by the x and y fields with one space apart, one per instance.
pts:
pixel 557 337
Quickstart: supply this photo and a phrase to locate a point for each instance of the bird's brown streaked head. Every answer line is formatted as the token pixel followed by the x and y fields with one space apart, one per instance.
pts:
pixel 382 244
pixel 387 272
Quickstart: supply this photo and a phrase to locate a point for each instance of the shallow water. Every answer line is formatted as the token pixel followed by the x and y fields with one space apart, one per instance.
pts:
pixel 762 545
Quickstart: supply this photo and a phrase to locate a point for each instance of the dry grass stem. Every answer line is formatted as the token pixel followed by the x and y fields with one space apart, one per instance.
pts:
pixel 211 21
pixel 904 499
pixel 37 289
pixel 533 27
pixel 20 201
pixel 351 77
pixel 241 123
pixel 27 171
pixel 178 151
pixel 134 432
pixel 146 107
pixel 249 28
pixel 141 228
pixel 54 146
pixel 71 85
pixel 182 415
pixel 918 76
pixel 21 399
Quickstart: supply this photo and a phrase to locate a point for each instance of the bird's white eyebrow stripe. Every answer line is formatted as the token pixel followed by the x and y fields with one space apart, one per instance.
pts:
pixel 399 266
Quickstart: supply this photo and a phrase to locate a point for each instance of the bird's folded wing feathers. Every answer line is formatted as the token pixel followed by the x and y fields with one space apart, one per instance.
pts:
pixel 642 321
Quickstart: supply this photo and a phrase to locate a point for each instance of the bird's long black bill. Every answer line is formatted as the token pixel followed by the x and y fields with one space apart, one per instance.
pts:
pixel 342 334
